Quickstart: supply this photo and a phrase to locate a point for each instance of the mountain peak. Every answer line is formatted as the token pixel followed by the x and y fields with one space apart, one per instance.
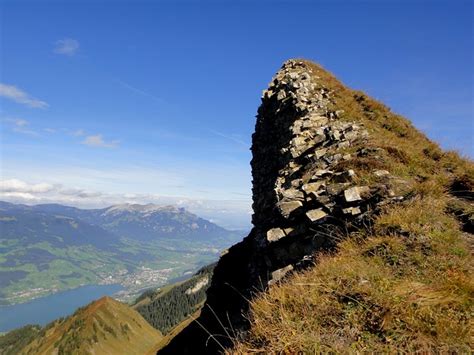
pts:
pixel 105 326
pixel 137 208
pixel 326 161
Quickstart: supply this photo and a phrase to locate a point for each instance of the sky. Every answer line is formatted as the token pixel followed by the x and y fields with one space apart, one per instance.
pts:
pixel 105 102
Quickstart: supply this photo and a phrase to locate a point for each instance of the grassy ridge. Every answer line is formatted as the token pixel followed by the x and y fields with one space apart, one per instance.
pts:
pixel 402 283
pixel 105 326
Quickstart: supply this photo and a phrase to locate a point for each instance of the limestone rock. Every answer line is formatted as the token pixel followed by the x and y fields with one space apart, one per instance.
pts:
pixel 381 173
pixel 287 208
pixel 313 186
pixel 277 275
pixel 275 234
pixel 292 194
pixel 316 215
pixel 336 189
pixel 355 193
pixel 352 211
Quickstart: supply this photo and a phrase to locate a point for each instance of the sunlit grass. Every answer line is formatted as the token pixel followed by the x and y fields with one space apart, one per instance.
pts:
pixel 403 284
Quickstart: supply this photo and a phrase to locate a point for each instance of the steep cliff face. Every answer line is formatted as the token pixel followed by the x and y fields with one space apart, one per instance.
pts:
pixel 305 199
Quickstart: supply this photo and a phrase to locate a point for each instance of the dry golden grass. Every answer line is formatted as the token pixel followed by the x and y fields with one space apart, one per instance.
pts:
pixel 403 285
pixel 378 293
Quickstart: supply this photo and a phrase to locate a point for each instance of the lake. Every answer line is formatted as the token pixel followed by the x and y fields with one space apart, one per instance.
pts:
pixel 46 309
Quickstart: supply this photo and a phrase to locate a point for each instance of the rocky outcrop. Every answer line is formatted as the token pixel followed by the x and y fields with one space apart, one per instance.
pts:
pixel 303 201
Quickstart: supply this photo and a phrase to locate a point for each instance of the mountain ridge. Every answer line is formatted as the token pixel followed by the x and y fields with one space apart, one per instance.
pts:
pixel 329 164
pixel 105 326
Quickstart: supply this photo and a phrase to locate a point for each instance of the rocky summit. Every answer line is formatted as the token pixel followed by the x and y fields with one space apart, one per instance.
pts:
pixel 306 197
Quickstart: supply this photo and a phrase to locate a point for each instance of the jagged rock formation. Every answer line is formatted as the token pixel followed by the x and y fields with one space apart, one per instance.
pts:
pixel 304 200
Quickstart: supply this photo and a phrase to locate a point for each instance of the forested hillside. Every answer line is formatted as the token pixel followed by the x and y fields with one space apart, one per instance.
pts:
pixel 167 307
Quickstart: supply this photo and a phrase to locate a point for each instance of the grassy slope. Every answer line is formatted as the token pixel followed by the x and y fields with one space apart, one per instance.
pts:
pixel 105 326
pixel 17 339
pixel 405 282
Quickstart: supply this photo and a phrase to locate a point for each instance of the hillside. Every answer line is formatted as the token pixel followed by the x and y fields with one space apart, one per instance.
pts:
pixel 49 248
pixel 13 341
pixel 362 239
pixel 105 326
pixel 167 309
pixel 168 306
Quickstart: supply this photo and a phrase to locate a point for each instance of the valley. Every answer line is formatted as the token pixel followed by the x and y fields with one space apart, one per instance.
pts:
pixel 50 248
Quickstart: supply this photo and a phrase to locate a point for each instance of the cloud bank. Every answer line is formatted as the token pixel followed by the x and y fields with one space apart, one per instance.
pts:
pixel 232 214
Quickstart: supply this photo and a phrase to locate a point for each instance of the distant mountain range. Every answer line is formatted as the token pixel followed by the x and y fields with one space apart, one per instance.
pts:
pixel 133 221
pixel 50 247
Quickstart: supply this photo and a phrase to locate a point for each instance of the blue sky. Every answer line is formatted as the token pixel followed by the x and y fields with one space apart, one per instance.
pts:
pixel 107 101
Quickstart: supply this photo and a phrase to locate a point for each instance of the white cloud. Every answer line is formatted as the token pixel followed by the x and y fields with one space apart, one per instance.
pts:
pixel 15 94
pixel 233 214
pixel 67 46
pixel 98 141
pixel 21 126
pixel 19 186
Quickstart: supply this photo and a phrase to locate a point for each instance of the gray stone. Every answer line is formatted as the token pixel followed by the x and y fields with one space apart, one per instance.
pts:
pixel 351 135
pixel 293 75
pixel 337 157
pixel 275 234
pixel 287 208
pixel 296 183
pixel 323 172
pixel 336 189
pixel 292 194
pixel 352 211
pixel 320 153
pixel 298 141
pixel 343 144
pixel 355 193
pixel 281 95
pixel 267 94
pixel 381 173
pixel 336 135
pixel 277 275
pixel 316 215
pixel 313 186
